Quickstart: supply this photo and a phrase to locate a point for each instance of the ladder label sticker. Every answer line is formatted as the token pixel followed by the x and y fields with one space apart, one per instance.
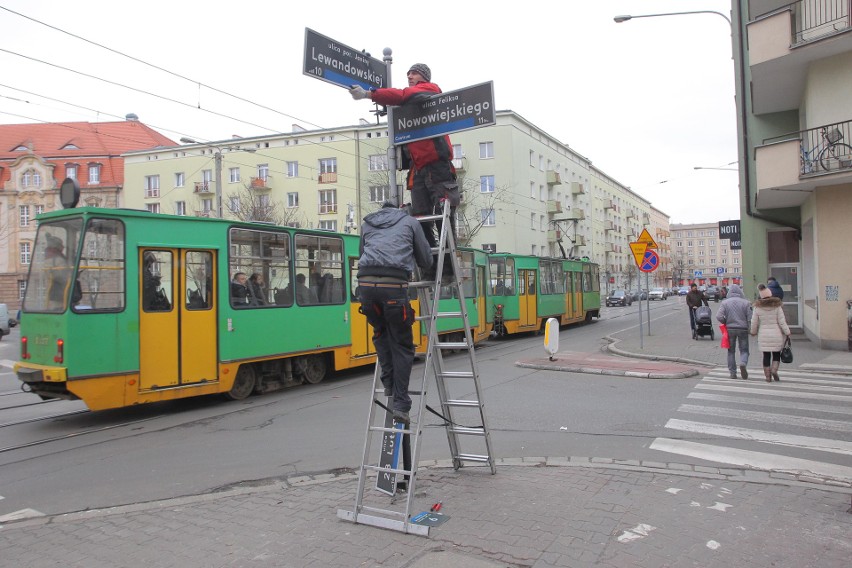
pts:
pixel 429 519
pixel 391 444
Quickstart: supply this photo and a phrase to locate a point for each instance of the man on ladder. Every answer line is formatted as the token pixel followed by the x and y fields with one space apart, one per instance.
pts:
pixel 431 174
pixel 391 243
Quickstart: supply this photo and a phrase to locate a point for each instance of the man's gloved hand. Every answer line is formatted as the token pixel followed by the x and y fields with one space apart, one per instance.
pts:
pixel 358 92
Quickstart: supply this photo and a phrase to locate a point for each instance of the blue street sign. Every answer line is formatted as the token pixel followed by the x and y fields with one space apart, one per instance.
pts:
pixel 333 62
pixel 720 270
pixel 454 111
pixel 650 261
pixel 698 273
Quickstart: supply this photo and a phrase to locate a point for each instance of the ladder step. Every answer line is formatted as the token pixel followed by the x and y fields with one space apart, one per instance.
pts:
pixel 467 431
pixel 388 470
pixel 459 402
pixel 425 218
pixel 451 345
pixel 473 457
pixel 457 374
pixel 394 430
pixel 440 315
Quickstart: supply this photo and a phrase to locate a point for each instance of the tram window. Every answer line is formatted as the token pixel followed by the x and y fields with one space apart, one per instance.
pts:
pixel 198 281
pixel 157 281
pixel 502 277
pixel 468 274
pixel 264 257
pixel 320 260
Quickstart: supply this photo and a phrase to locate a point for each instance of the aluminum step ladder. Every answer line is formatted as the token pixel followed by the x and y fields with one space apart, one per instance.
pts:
pixel 463 415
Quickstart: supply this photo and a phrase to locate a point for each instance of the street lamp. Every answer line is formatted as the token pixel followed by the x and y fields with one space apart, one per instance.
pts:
pixel 217 160
pixel 625 17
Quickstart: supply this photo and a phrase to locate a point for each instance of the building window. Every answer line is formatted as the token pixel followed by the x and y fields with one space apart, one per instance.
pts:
pixel 486 184
pixel 22 289
pixel 532 189
pixel 701 243
pixel 378 162
pixel 328 225
pixel 71 171
pixel 94 174
pixel 31 178
pixel 234 204
pixel 152 186
pixel 328 201
pixel 458 153
pixel 206 177
pixel 263 171
pixel 489 247
pixel 180 179
pixel 487 216
pixel 532 221
pixel 180 207
pixel 712 242
pixel 689 243
pixel 234 175
pixel 207 205
pixel 292 169
pixel 26 253
pixel 532 159
pixel 293 199
pixel 39 209
pixel 541 162
pixel 24 215
pixel 486 150
pixel 328 166
pixel 379 193
pixel 152 207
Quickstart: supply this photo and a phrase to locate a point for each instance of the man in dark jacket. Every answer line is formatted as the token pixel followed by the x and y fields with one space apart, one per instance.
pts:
pixel 431 175
pixel 735 313
pixel 391 243
pixel 694 298
pixel 775 287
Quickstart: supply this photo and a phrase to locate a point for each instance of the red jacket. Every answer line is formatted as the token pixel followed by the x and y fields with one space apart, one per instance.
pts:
pixel 422 152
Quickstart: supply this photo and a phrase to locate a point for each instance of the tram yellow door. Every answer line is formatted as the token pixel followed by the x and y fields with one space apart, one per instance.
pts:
pixel 177 318
pixel 527 298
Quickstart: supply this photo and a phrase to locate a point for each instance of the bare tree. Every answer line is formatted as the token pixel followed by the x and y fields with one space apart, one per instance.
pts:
pixel 249 204
pixel 476 208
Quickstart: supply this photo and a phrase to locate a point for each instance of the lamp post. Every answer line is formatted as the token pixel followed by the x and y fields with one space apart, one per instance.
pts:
pixel 626 17
pixel 217 161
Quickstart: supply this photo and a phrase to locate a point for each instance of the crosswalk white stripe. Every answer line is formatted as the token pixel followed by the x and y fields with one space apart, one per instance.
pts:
pixel 769 391
pixel 723 372
pixel 754 401
pixel 787 381
pixel 800 421
pixel 757 460
pixel 791 440
pixel 7 363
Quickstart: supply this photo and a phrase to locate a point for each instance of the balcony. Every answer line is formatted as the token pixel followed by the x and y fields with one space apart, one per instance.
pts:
pixel 458 164
pixel 553 235
pixel 630 214
pixel 646 218
pixel 554 206
pixel 328 177
pixel 609 248
pixel 608 204
pixel 789 168
pixel 579 241
pixel 577 188
pixel 553 177
pixel 785 42
pixel 576 214
pixel 259 184
pixel 608 226
pixel 203 187
pixel 204 213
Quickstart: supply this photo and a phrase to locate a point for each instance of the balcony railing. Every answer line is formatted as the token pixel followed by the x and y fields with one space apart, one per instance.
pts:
pixel 328 177
pixel 202 186
pixel 827 149
pixel 259 183
pixel 813 19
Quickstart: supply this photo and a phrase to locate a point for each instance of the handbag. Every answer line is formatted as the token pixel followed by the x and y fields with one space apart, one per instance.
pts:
pixel 726 341
pixel 787 352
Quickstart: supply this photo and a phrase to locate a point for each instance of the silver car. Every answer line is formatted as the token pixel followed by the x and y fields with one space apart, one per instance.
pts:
pixel 658 294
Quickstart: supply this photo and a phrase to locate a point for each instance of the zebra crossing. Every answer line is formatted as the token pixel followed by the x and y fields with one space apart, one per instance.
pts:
pixel 801 426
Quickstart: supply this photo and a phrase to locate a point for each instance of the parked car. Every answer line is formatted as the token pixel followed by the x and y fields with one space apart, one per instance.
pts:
pixel 619 298
pixel 658 294
pixel 4 320
pixel 683 291
pixel 711 293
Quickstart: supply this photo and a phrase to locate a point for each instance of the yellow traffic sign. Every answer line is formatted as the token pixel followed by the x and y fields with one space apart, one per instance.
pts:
pixel 638 250
pixel 646 238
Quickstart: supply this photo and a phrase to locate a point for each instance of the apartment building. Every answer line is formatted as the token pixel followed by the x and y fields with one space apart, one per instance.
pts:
pixel 699 255
pixel 794 76
pixel 35 159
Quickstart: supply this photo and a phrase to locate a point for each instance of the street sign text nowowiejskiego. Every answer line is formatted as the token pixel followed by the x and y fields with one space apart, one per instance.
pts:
pixel 331 61
pixel 443 113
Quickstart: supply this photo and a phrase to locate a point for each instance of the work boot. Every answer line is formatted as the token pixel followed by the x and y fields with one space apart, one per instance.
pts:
pixel 743 372
pixel 774 370
pixel 388 391
pixel 767 375
pixel 401 417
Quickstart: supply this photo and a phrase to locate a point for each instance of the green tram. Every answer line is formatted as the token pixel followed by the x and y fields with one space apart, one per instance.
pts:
pixel 127 307
pixel 528 290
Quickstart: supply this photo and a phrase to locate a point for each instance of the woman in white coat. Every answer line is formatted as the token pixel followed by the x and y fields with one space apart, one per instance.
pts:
pixel 770 326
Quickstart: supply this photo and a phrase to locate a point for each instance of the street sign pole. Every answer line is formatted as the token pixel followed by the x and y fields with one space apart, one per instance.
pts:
pixel 648 302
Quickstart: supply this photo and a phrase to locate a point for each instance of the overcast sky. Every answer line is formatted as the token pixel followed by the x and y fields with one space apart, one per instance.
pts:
pixel 646 100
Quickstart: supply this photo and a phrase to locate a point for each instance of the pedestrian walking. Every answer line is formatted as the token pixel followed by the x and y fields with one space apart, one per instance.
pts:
pixel 775 287
pixel 391 243
pixel 735 313
pixel 770 326
pixel 694 299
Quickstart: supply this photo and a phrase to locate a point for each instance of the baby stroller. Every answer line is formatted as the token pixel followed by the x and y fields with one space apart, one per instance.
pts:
pixel 703 322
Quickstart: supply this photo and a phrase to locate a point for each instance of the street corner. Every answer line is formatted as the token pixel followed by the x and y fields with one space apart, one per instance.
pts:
pixel 601 364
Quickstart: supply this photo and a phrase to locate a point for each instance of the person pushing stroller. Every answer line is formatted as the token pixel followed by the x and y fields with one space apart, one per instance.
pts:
pixel 694 299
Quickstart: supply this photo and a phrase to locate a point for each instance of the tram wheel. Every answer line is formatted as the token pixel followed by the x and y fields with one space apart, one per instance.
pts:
pixel 243 383
pixel 315 369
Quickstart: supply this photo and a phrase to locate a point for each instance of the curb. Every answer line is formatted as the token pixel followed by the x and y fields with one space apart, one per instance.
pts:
pixel 614 372
pixel 613 349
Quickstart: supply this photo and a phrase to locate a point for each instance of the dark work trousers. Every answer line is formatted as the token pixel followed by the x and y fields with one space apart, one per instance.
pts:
pixel 429 187
pixel 387 309
pixel 737 336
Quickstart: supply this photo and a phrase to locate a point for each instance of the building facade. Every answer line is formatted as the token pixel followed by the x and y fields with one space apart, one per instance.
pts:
pixel 794 76
pixel 523 190
pixel 35 159
pixel 699 255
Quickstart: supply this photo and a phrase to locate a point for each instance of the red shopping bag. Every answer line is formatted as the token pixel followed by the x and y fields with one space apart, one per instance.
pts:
pixel 726 343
